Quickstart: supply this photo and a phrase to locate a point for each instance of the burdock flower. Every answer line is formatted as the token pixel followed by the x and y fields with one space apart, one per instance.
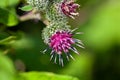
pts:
pixel 57 34
pixel 62 42
pixel 69 7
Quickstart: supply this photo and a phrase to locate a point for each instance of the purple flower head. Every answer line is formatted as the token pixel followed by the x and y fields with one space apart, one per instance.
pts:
pixel 62 42
pixel 69 8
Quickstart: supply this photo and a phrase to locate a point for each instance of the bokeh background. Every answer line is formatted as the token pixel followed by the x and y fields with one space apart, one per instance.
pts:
pixel 21 42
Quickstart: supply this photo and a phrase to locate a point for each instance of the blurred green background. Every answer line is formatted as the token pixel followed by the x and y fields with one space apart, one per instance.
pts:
pixel 21 43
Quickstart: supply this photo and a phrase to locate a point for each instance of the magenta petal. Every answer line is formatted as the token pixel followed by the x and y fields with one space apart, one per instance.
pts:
pixel 61 41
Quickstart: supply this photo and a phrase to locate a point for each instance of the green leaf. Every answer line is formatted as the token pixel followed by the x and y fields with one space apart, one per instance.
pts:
pixel 44 76
pixel 26 8
pixel 8 17
pixel 6 3
pixel 7 71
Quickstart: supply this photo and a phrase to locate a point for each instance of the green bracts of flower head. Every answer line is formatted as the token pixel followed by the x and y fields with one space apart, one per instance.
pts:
pixel 53 28
pixel 39 5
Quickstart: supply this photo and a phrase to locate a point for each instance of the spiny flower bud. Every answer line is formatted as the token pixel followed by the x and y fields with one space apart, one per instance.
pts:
pixel 54 13
pixel 69 7
pixel 40 5
pixel 61 41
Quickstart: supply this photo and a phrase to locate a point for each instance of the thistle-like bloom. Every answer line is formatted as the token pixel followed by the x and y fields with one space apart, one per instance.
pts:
pixel 69 8
pixel 62 42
